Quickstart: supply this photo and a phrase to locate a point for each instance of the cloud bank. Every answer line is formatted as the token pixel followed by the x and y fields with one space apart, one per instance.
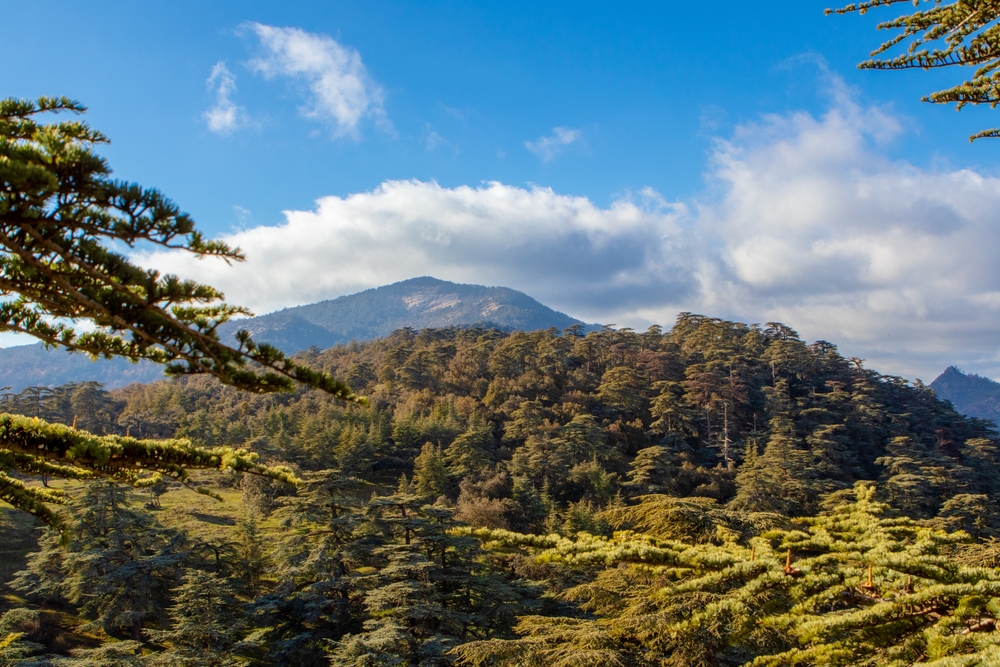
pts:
pixel 804 221
pixel 340 90
pixel 816 228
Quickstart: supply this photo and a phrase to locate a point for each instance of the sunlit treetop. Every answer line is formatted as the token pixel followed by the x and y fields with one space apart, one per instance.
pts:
pixel 34 447
pixel 945 34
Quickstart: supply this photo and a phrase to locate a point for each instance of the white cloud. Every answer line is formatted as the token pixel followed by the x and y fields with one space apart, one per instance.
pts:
pixel 224 116
pixel 816 228
pixel 805 221
pixel 549 147
pixel 244 217
pixel 550 245
pixel 434 140
pixel 340 90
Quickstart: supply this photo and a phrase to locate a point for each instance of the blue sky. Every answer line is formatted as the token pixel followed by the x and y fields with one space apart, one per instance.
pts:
pixel 621 162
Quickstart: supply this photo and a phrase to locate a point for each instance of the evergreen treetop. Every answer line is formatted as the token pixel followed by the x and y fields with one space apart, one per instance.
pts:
pixel 854 586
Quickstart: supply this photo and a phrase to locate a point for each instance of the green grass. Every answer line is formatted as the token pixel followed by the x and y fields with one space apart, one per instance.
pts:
pixel 201 517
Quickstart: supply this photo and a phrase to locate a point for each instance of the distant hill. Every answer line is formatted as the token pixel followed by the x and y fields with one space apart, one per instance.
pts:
pixel 972 395
pixel 32 365
pixel 419 303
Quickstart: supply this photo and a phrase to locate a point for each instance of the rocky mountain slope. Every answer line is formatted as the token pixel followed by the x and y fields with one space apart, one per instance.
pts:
pixel 972 395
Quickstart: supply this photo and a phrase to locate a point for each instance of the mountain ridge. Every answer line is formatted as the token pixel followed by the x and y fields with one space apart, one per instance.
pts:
pixel 420 303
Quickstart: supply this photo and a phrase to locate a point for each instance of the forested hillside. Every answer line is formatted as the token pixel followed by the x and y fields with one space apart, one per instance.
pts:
pixel 747 415
pixel 717 494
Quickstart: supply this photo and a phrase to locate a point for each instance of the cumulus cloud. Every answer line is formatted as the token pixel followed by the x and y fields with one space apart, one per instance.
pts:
pixel 548 244
pixel 549 147
pixel 804 221
pixel 340 89
pixel 224 116
pixel 816 228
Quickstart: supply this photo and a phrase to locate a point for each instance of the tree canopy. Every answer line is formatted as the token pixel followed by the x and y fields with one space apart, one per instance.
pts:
pixel 716 494
pixel 853 586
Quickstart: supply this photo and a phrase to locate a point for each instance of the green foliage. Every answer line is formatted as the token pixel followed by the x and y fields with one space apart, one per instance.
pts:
pixel 650 484
pixel 34 447
pixel 116 564
pixel 473 450
pixel 63 221
pixel 311 602
pixel 15 648
pixel 251 559
pixel 852 587
pixel 744 414
pixel 205 626
pixel 59 213
pixel 110 654
pixel 85 404
pixel 652 470
pixel 427 592
pixel 430 476
pixel 963 33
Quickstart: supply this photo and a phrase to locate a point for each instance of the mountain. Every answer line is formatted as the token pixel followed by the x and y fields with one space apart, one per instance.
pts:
pixel 33 365
pixel 419 303
pixel 972 395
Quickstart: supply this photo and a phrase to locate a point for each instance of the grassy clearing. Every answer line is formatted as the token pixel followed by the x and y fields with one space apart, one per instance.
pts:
pixel 201 517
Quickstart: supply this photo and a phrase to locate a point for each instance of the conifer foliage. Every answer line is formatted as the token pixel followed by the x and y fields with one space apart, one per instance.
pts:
pixel 714 494
pixel 63 224
pixel 60 216
pixel 34 447
pixel 854 586
pixel 963 33
pixel 118 565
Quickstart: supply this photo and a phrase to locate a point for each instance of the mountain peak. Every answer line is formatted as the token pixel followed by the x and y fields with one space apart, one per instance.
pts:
pixel 419 281
pixel 972 395
pixel 420 303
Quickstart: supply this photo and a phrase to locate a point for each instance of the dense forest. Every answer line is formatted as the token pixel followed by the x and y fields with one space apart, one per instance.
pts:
pixel 717 494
